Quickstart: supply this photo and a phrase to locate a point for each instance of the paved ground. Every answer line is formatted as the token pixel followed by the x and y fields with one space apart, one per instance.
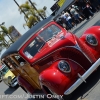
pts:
pixel 87 91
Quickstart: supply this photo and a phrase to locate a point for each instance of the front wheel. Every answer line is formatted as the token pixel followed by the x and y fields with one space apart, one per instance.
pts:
pixel 64 97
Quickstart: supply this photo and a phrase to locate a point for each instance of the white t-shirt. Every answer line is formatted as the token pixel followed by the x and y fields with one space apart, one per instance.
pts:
pixel 67 16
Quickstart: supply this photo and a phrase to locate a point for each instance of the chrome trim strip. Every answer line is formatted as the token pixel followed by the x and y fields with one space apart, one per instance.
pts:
pixel 84 76
pixel 77 64
pixel 76 47
pixel 70 60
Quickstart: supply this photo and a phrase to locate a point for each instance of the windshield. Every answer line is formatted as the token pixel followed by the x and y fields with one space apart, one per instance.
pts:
pixel 5 70
pixel 40 40
pixel 49 32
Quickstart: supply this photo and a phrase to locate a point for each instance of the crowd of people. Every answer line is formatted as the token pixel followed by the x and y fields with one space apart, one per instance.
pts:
pixel 77 12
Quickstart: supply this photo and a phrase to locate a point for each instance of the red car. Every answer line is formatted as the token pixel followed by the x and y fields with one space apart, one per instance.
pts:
pixel 62 60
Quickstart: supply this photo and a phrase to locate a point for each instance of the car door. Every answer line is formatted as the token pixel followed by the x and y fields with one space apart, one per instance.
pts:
pixel 26 71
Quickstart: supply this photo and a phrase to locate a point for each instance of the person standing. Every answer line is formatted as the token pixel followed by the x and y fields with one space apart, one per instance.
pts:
pixel 75 14
pixel 86 10
pixel 67 19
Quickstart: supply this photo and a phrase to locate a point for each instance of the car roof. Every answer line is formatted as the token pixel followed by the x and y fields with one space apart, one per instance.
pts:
pixel 14 48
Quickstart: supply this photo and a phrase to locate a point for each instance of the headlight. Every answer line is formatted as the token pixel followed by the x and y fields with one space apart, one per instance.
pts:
pixel 91 40
pixel 64 66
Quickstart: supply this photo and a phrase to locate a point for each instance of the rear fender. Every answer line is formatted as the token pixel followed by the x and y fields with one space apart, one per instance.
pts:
pixel 58 81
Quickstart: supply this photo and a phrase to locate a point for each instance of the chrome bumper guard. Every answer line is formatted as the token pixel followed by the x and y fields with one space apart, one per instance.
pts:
pixel 14 82
pixel 83 77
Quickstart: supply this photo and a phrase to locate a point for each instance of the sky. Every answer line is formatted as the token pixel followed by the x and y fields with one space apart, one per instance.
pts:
pixel 11 16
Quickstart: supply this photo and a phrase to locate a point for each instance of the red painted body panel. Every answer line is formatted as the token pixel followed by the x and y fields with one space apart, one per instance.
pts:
pixel 50 46
pixel 95 50
pixel 58 81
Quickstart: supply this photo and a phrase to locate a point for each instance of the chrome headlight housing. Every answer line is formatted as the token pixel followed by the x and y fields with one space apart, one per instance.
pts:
pixel 91 40
pixel 64 66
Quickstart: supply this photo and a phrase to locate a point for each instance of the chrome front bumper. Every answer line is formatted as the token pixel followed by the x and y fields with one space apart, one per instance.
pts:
pixel 83 77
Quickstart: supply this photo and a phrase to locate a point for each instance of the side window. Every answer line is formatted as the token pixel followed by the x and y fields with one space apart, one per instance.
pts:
pixel 11 63
pixel 20 60
pixel 8 64
pixel 33 47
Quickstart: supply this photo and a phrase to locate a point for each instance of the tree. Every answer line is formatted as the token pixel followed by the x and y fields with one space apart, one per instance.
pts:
pixel 31 21
pixel 42 12
pixel 39 13
pixel 3 42
pixel 34 15
pixel 5 31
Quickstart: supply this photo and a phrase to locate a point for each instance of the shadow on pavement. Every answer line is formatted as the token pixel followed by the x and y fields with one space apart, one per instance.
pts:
pixel 10 90
pixel 86 88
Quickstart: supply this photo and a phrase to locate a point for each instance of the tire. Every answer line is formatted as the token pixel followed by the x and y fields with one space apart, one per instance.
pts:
pixel 65 97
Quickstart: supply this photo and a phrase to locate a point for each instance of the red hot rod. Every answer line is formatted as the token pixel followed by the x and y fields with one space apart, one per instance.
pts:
pixel 65 61
pixel 62 60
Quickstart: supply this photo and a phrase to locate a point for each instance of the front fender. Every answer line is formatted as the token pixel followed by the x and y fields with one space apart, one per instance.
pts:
pixel 95 31
pixel 57 81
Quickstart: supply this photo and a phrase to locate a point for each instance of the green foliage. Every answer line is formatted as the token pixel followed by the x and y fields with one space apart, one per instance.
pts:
pixel 6 32
pixel 42 12
pixel 4 29
pixel 44 8
pixel 3 42
pixel 31 21
pixel 32 13
pixel 10 29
